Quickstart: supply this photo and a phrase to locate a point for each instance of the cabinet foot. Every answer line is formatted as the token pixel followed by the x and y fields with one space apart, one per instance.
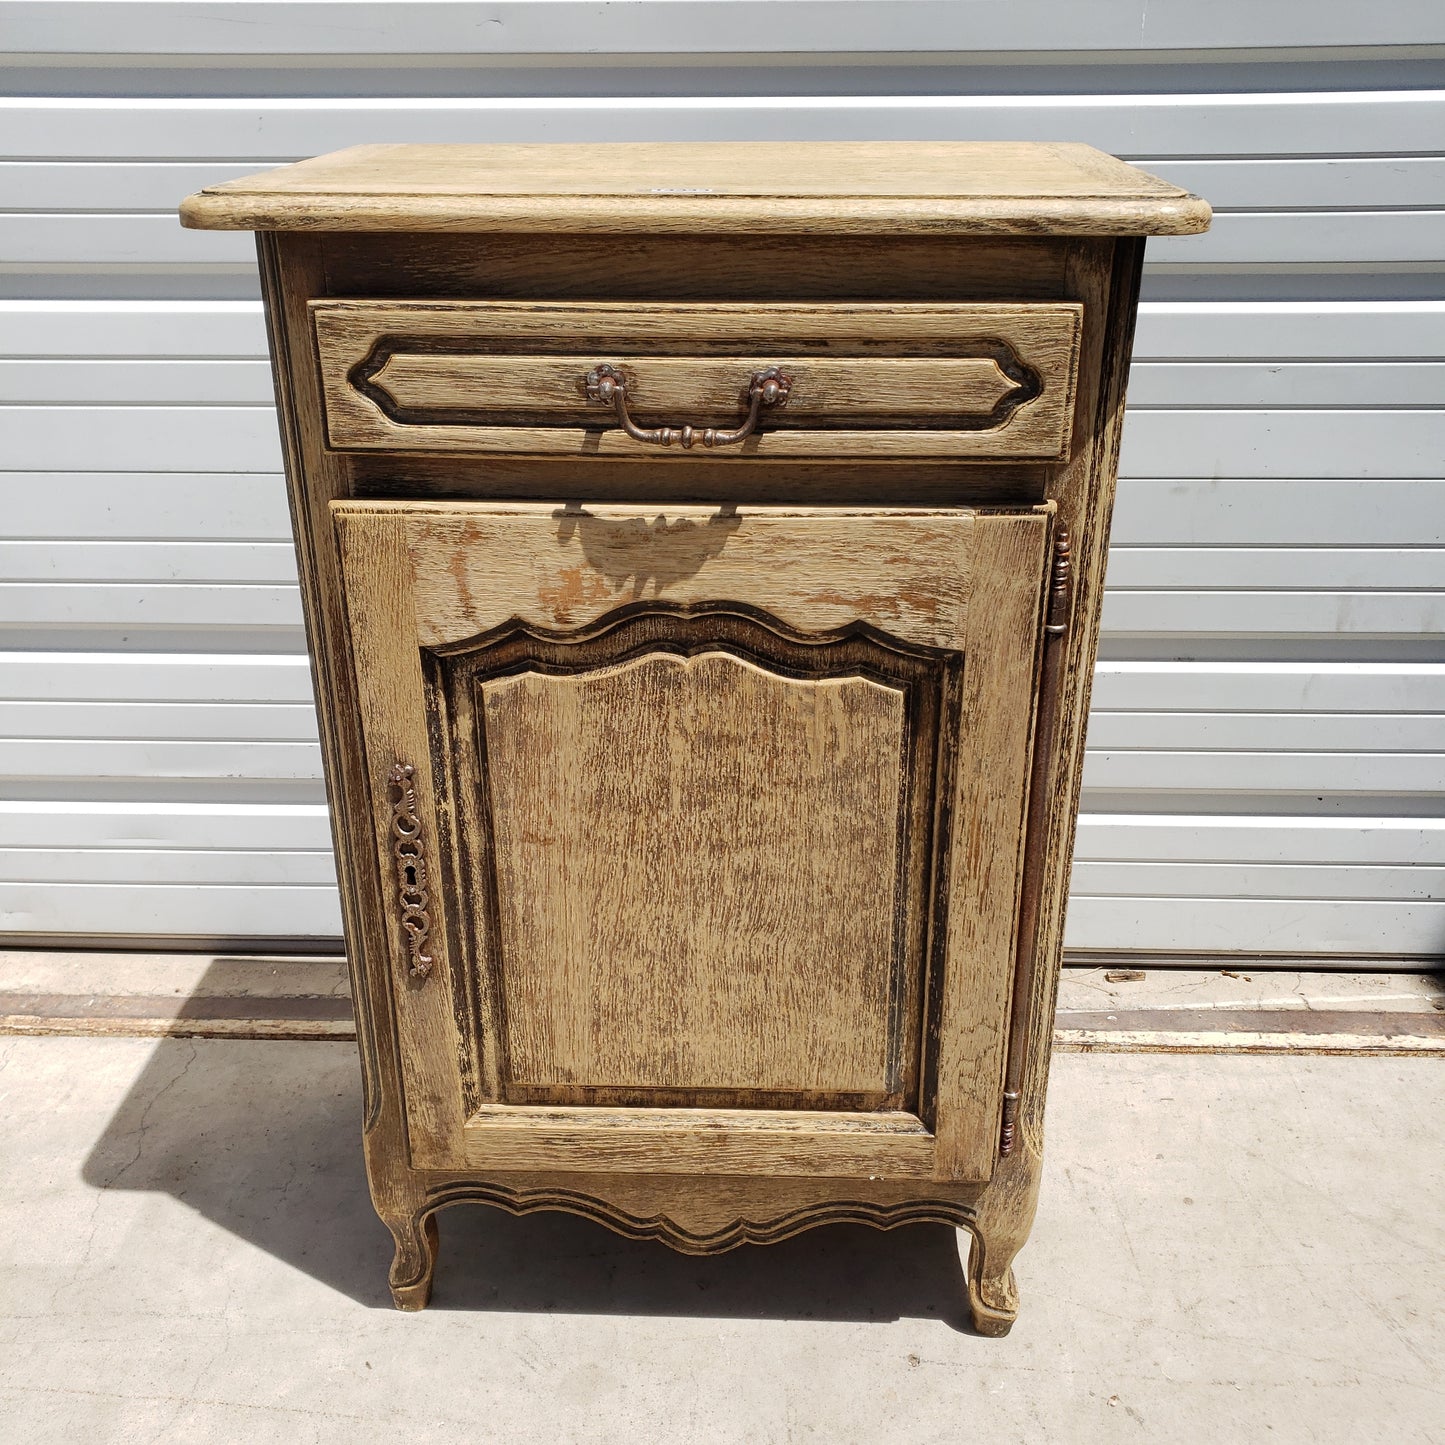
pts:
pixel 415 1260
pixel 993 1297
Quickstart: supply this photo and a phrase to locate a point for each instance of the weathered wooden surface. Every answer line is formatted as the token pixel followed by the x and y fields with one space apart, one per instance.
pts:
pixel 987 857
pixel 960 186
pixel 478 566
pixel 694 806
pixel 878 381
pixel 698 865
pixel 441 600
pixel 775 1143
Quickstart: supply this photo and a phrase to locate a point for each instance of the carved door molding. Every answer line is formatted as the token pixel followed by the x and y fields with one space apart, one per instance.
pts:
pixel 787 759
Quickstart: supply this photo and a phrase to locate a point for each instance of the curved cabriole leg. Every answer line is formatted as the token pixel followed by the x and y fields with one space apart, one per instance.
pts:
pixel 415 1260
pixel 1000 1227
pixel 993 1297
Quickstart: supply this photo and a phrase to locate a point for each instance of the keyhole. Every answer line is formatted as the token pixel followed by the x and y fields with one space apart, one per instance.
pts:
pixel 411 875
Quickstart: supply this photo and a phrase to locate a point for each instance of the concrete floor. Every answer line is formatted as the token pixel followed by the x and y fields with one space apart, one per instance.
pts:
pixel 1229 1249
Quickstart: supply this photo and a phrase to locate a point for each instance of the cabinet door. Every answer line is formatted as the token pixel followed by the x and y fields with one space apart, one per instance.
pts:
pixel 702 832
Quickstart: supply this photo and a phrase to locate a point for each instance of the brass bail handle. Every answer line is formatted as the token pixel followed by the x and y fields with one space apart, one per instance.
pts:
pixel 607 386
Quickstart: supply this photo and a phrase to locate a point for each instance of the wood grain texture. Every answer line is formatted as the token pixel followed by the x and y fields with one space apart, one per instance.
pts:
pixel 705 267
pixel 727 985
pixel 755 819
pixel 698 1141
pixel 290 274
pixel 871 381
pixel 426 389
pixel 988 847
pixel 960 187
pixel 480 565
pixel 708 1215
pixel 700 841
pixel 292 270
pixel 630 571
pixel 393 715
pixel 1105 277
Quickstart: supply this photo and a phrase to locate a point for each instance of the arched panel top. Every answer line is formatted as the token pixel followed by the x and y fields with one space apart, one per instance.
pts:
pixel 481 566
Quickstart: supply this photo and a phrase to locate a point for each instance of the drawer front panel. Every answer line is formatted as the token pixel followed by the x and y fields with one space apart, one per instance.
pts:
pixel 968 382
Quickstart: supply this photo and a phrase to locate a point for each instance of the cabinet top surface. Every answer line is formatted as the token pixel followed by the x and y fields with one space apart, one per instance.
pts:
pixel 953 187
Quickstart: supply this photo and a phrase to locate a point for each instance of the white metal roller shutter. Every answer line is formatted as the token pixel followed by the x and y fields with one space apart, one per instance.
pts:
pixel 1267 757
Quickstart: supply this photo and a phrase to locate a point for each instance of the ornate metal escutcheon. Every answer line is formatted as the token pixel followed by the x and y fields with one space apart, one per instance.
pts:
pixel 411 870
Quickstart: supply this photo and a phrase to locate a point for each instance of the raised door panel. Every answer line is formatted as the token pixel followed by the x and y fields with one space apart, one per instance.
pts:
pixel 689 904
pixel 700 789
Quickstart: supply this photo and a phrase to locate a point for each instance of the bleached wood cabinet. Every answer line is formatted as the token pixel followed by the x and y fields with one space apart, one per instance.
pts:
pixel 701 548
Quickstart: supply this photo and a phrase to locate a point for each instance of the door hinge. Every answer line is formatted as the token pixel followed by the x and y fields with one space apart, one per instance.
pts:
pixel 1010 1123
pixel 1061 588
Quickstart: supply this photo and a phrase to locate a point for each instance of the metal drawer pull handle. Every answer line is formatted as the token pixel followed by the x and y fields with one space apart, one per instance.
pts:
pixel 608 386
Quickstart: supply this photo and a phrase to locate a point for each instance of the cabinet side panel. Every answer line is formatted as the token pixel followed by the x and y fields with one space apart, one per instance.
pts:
pixel 292 271
pixel 1104 275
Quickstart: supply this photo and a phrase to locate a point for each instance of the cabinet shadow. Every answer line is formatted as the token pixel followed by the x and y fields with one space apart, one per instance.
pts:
pixel 263 1138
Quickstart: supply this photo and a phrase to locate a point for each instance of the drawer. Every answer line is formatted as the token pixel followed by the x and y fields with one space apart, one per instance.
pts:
pixel 639 381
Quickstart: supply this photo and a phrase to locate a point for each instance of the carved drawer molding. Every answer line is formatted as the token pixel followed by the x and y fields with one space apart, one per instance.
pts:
pixel 886 381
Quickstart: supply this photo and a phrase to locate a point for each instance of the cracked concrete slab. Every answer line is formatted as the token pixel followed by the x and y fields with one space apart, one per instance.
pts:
pixel 1228 1249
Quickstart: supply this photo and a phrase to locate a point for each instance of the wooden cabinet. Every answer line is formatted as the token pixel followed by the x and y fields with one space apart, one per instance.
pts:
pixel 701 548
